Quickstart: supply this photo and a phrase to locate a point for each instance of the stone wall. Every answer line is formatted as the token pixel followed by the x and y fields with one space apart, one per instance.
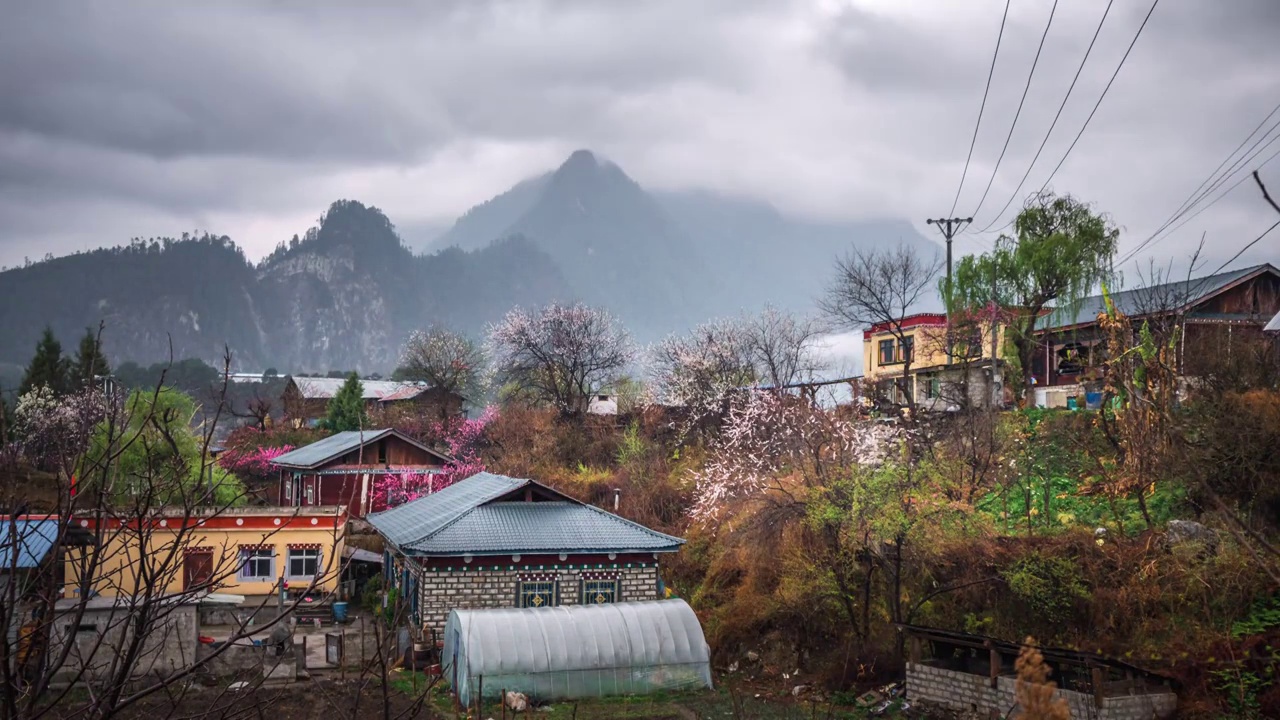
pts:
pixel 969 692
pixel 101 633
pixel 442 590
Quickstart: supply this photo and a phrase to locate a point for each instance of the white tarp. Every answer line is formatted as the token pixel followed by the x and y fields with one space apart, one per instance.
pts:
pixel 576 650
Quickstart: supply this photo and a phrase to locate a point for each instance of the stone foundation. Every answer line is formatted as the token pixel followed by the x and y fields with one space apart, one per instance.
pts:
pixel 969 692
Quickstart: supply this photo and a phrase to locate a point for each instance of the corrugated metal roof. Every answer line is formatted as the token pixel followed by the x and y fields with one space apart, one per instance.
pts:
pixel 463 519
pixel 417 519
pixel 1142 300
pixel 33 539
pixel 321 450
pixel 326 388
pixel 504 527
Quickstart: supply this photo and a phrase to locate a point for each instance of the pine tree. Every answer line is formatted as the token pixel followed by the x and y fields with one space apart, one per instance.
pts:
pixel 89 364
pixel 47 367
pixel 346 409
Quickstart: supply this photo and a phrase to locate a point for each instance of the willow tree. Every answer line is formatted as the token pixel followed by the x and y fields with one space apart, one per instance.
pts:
pixel 1061 250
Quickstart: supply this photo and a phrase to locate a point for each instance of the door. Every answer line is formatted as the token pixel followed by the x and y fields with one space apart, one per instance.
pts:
pixel 197 568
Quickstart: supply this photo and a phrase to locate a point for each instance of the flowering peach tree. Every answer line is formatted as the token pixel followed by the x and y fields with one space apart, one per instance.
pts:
pixel 464 439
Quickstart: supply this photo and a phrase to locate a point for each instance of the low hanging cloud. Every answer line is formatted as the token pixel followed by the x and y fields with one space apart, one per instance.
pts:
pixel 140 119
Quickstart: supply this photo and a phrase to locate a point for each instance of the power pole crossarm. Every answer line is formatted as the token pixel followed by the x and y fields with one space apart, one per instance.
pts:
pixel 949 227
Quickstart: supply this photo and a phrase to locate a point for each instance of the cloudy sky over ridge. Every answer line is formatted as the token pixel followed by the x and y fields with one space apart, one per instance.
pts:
pixel 145 119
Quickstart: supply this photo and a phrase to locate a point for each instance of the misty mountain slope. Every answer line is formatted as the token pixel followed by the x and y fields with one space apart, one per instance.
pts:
pixel 193 293
pixel 773 258
pixel 494 218
pixel 344 296
pixel 617 247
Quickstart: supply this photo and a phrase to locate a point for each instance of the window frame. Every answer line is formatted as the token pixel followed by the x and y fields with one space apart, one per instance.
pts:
pixel 906 348
pixel 614 588
pixel 891 355
pixel 256 555
pixel 525 588
pixel 289 558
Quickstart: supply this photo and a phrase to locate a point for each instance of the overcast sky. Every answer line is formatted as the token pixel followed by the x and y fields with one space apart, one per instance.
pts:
pixel 125 119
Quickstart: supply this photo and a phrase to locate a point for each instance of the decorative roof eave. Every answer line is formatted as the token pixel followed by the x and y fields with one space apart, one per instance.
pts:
pixel 543 551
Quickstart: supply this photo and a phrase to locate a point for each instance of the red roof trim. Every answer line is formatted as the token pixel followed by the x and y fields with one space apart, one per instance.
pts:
pixel 917 320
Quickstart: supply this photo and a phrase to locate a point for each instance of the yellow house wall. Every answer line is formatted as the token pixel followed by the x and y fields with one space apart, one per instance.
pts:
pixel 120 566
pixel 930 350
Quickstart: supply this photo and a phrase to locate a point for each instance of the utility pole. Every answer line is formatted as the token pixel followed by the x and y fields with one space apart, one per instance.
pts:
pixel 949 227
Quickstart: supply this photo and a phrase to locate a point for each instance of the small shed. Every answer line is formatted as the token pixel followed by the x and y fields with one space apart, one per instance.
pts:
pixel 629 648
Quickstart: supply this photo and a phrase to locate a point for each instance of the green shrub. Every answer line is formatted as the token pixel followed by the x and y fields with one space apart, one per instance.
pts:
pixel 1050 586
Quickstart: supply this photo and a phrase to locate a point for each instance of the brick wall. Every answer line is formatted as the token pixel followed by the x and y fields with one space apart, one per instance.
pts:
pixel 442 590
pixel 966 691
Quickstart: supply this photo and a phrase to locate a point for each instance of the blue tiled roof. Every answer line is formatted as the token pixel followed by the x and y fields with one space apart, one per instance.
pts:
pixel 33 540
pixel 464 519
pixel 1141 300
pixel 336 445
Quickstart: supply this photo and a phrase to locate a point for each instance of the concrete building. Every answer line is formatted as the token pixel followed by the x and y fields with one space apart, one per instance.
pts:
pixel 491 541
pixel 246 551
pixel 950 362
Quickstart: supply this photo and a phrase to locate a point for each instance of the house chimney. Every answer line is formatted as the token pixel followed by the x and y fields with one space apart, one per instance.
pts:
pixel 617 496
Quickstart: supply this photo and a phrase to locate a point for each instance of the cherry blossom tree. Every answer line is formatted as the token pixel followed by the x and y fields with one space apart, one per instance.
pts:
pixel 464 438
pixel 561 355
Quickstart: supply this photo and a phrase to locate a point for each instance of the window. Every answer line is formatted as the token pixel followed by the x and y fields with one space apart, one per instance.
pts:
pixel 905 347
pixel 932 388
pixel 257 564
pixel 599 592
pixel 304 562
pixel 537 593
pixel 886 352
pixel 382 452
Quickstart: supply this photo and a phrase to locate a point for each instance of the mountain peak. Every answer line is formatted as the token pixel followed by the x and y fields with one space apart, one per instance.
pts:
pixel 581 158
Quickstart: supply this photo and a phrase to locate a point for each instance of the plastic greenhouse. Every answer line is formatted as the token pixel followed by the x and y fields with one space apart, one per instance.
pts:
pixel 576 651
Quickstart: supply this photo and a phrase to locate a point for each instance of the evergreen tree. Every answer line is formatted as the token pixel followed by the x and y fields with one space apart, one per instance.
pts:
pixel 346 409
pixel 48 367
pixel 90 363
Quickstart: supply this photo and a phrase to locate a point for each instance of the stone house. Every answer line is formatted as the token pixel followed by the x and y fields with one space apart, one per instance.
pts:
pixel 491 541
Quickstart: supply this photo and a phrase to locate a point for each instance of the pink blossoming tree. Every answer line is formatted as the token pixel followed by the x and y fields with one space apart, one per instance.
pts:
pixel 464 439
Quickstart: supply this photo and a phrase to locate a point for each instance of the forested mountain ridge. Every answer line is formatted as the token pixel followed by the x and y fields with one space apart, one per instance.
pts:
pixel 347 292
pixel 343 295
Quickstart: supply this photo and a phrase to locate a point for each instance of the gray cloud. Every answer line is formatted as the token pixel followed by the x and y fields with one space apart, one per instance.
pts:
pixel 124 119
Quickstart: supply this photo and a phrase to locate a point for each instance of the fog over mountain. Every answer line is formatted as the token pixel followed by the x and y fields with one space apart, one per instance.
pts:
pixel 345 293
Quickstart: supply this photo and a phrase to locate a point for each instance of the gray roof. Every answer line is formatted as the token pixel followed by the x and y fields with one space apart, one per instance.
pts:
pixel 326 388
pixel 1274 325
pixel 1142 301
pixel 338 444
pixel 465 519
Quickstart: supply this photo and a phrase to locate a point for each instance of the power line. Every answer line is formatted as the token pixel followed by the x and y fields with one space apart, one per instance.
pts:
pixel 1018 112
pixel 982 108
pixel 1161 233
pixel 1101 97
pixel 1056 116
pixel 1190 198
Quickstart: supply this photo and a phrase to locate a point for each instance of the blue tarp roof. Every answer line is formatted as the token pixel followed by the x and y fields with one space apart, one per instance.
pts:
pixel 33 539
pixel 465 519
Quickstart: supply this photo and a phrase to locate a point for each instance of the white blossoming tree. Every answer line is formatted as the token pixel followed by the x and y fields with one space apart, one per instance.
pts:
pixel 700 371
pixel 561 355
